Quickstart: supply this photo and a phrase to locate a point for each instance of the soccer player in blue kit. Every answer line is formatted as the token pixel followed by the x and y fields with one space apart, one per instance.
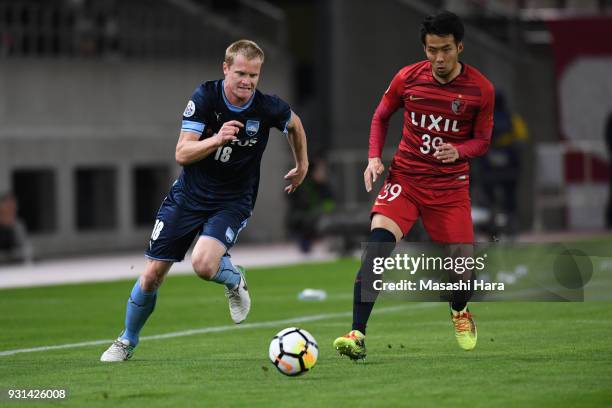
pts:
pixel 224 133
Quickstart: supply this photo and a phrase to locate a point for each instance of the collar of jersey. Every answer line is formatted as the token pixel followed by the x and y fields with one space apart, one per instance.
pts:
pixel 447 83
pixel 235 108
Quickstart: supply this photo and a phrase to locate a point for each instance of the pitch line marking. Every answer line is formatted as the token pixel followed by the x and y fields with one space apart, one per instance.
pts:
pixel 217 329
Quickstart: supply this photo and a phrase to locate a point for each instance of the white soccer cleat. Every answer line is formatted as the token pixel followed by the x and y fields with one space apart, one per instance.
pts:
pixel 239 299
pixel 120 350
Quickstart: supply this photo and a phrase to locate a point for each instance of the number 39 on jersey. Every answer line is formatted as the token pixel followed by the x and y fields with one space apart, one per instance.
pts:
pixel 390 192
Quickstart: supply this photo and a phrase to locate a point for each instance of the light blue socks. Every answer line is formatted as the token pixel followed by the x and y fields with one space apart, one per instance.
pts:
pixel 227 273
pixel 140 305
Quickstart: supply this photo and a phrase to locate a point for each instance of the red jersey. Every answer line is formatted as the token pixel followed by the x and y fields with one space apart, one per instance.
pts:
pixel 459 112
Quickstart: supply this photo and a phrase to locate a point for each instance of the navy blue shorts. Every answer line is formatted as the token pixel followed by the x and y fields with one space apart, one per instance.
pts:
pixel 176 227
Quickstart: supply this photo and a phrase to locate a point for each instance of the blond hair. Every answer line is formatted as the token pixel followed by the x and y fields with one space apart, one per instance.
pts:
pixel 249 49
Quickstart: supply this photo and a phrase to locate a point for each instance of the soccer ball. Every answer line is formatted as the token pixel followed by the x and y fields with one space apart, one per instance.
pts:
pixel 293 351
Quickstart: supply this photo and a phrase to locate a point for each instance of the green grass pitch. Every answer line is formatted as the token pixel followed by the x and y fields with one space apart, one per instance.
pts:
pixel 529 354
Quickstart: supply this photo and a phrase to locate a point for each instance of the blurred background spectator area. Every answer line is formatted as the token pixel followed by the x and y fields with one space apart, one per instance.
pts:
pixel 14 244
pixel 130 29
pixel 91 93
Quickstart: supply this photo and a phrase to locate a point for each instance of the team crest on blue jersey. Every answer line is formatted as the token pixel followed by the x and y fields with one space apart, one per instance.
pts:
pixel 229 235
pixel 252 127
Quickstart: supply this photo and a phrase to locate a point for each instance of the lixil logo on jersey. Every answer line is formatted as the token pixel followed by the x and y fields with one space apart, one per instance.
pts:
pixel 434 122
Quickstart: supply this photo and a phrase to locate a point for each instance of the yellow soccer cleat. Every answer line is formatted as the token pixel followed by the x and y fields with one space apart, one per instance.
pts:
pixel 465 329
pixel 352 345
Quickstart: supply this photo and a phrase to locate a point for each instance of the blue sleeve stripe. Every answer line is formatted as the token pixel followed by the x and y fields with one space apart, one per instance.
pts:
pixel 193 126
pixel 193 123
pixel 191 130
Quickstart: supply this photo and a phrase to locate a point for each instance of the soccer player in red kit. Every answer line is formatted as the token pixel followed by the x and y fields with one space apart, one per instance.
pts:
pixel 448 119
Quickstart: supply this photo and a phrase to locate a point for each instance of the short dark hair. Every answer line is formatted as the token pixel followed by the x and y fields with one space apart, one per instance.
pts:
pixel 442 24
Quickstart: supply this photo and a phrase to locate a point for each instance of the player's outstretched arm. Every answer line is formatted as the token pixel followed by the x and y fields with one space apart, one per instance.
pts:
pixel 370 175
pixel 190 149
pixel 297 140
pixel 390 102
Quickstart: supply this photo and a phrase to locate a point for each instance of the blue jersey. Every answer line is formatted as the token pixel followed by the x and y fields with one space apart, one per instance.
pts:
pixel 229 176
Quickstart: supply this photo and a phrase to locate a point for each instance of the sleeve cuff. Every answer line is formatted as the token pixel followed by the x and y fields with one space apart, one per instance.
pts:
pixel 191 126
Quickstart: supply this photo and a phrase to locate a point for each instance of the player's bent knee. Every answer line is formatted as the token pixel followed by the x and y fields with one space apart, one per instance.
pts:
pixel 205 267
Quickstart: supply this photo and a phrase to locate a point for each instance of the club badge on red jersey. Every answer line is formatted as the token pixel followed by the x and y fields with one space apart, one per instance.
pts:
pixel 458 106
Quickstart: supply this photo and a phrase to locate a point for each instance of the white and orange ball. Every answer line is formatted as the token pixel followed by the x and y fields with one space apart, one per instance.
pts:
pixel 293 351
